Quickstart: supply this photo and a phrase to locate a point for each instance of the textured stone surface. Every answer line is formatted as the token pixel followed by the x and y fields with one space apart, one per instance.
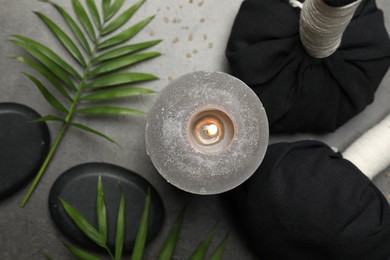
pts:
pixel 195 43
pixel 78 187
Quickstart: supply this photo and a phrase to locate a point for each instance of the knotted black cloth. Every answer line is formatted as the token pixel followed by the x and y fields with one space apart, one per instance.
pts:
pixel 301 93
pixel 307 202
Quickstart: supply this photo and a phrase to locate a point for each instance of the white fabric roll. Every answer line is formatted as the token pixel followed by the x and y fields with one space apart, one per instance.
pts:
pixel 371 152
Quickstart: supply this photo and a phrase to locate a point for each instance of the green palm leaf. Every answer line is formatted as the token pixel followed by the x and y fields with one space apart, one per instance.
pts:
pixel 117 93
pixel 203 246
pixel 48 118
pixel 47 95
pixel 142 231
pixel 83 224
pixel 107 110
pixel 94 12
pixel 101 212
pixel 170 243
pixel 122 62
pixel 47 75
pixel 63 38
pixel 120 229
pixel 49 64
pixel 125 35
pixel 217 254
pixel 75 28
pixel 50 54
pixel 106 4
pixel 95 132
pixel 128 49
pixel 119 79
pixel 80 254
pixel 115 8
pixel 141 236
pixel 84 19
pixel 96 70
pixel 122 19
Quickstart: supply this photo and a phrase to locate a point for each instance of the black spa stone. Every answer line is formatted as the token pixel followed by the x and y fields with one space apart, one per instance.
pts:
pixel 78 187
pixel 23 146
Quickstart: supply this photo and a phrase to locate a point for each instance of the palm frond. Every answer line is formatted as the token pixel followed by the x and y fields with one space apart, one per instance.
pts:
pixel 98 60
pixel 99 235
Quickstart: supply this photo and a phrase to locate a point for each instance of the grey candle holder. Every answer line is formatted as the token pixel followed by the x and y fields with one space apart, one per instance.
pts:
pixel 207 132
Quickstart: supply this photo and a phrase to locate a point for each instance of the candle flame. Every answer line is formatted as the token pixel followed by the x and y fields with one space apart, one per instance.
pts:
pixel 211 130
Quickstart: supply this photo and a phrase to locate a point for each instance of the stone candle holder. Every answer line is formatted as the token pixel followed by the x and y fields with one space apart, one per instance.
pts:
pixel 207 132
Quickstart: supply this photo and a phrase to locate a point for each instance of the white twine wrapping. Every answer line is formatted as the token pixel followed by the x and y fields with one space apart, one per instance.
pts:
pixel 322 26
pixel 296 3
pixel 371 152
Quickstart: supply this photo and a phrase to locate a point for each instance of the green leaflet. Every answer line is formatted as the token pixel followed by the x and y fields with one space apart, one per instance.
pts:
pixel 117 93
pixel 79 253
pixel 142 231
pixel 84 19
pixel 47 95
pixel 63 38
pixel 47 75
pixel 115 8
pixel 101 212
pixel 120 229
pixel 95 132
pixel 125 35
pixel 75 28
pixel 94 12
pixel 48 118
pixel 170 243
pixel 203 246
pixel 122 62
pixel 49 64
pixel 50 54
pixel 108 110
pixel 119 79
pixel 122 19
pixel 83 224
pixel 217 254
pixel 121 51
pixel 106 4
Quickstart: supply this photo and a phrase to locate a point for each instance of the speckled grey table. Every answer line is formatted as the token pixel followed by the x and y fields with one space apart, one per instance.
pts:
pixel 195 34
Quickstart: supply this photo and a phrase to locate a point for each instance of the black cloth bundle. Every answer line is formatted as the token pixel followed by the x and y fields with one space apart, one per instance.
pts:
pixel 307 202
pixel 301 93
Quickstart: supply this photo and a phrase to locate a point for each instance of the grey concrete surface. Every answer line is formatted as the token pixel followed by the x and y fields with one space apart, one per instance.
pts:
pixel 195 34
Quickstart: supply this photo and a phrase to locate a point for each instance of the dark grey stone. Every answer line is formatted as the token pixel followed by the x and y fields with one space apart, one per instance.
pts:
pixel 23 146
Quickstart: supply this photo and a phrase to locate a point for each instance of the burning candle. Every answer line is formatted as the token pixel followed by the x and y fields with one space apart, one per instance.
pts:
pixel 207 132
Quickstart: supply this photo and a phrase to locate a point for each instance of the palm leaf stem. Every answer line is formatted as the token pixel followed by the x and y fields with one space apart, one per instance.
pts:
pixel 44 165
pixel 61 132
